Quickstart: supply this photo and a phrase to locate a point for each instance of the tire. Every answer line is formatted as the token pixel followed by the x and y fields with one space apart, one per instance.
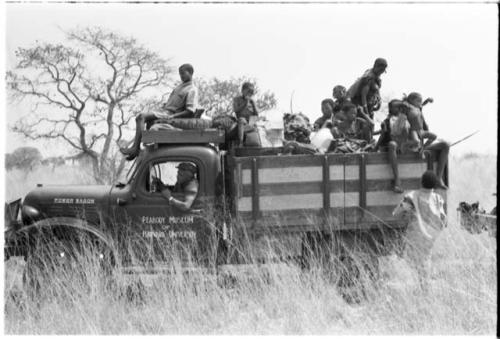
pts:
pixel 346 259
pixel 58 259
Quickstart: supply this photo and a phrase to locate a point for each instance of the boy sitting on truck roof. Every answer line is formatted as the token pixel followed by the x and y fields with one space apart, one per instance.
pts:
pixel 182 103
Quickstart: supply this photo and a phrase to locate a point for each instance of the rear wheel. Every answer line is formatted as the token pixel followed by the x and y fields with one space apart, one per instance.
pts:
pixel 347 259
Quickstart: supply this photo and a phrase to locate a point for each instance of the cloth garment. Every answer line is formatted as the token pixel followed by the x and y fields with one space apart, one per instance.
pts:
pixel 183 97
pixel 424 211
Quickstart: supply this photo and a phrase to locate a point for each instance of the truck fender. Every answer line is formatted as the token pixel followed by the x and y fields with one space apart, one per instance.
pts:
pixel 73 223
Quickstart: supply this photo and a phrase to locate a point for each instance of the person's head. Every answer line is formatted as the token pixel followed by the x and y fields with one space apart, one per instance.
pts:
pixel 350 112
pixel 186 72
pixel 186 172
pixel 247 89
pixel 339 92
pixel 327 107
pixel 415 99
pixel 429 180
pixel 379 66
pixel 394 107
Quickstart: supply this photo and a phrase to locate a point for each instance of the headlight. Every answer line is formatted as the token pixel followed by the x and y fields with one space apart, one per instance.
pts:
pixel 29 214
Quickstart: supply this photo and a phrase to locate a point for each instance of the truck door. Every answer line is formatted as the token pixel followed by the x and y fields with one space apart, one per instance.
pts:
pixel 162 231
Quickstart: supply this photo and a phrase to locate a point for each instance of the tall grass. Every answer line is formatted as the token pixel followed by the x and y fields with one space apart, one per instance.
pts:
pixel 281 298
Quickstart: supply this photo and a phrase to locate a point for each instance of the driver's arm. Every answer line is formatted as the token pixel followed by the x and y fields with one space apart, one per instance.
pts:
pixel 191 192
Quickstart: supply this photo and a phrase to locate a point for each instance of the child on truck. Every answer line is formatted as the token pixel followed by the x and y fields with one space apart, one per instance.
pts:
pixel 246 111
pixel 419 128
pixel 325 120
pixel 424 211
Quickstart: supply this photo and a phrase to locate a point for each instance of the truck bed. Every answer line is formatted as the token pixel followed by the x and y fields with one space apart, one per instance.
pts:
pixel 327 192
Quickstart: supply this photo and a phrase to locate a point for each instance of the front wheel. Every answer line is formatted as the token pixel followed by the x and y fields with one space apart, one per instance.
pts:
pixel 63 265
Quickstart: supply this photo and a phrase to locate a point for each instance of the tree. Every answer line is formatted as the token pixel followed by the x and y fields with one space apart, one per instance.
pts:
pixel 86 93
pixel 216 95
pixel 23 157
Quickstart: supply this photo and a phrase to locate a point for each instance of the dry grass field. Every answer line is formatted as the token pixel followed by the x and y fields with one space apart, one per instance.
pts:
pixel 280 298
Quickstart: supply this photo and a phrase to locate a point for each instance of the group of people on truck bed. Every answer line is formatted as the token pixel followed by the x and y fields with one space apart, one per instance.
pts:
pixel 348 117
pixel 347 122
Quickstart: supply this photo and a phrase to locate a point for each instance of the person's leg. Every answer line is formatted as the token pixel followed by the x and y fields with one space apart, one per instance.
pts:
pixel 242 122
pixel 140 122
pixel 393 159
pixel 444 149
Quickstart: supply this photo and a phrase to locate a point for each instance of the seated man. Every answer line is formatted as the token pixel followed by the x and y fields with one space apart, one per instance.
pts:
pixel 244 107
pixel 186 186
pixel 326 118
pixel 181 103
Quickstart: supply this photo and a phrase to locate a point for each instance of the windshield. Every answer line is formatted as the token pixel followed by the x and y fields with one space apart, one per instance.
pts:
pixel 128 172
pixel 131 171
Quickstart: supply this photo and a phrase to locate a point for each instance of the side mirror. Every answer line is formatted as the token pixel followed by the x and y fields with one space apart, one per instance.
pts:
pixel 121 202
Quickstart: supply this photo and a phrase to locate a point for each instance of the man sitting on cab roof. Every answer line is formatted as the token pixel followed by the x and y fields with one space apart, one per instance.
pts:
pixel 186 186
pixel 182 103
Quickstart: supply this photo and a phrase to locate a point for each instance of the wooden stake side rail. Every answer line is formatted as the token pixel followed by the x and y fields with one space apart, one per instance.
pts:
pixel 332 191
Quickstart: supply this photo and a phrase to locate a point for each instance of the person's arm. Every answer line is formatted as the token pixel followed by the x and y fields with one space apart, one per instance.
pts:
pixel 427 101
pixel 239 104
pixel 189 197
pixel 425 127
pixel 184 114
pixel 383 134
pixel 442 213
pixel 256 112
pixel 364 94
pixel 365 116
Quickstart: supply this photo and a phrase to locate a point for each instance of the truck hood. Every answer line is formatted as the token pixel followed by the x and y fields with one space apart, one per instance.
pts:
pixel 83 201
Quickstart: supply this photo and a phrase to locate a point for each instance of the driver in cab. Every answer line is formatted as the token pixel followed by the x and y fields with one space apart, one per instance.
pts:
pixel 185 187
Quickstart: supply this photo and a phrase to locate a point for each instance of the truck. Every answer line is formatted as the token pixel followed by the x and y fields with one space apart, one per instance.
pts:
pixel 253 205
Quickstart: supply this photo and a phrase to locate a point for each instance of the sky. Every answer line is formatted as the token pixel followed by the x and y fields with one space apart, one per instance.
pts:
pixel 444 51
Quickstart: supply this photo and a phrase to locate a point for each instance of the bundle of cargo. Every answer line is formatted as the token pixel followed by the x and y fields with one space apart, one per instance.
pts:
pixel 475 220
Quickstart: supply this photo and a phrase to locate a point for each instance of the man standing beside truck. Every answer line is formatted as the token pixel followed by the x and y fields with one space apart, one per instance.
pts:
pixel 182 103
pixel 424 210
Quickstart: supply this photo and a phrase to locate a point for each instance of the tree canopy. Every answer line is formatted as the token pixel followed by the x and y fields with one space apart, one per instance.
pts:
pixel 87 91
pixel 216 95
